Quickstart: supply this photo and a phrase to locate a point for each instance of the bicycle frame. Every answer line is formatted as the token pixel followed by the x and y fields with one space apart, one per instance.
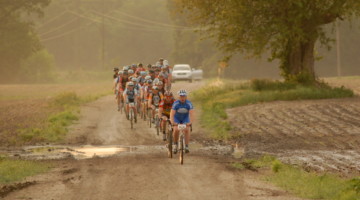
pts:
pixel 181 142
pixel 132 113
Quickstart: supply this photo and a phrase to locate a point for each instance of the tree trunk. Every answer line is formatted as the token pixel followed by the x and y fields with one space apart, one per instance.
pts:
pixel 301 59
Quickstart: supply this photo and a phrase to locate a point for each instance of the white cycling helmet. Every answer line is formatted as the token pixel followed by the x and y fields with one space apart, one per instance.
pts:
pixel 131 71
pixel 147 77
pixel 135 79
pixel 130 84
pixel 156 81
pixel 182 93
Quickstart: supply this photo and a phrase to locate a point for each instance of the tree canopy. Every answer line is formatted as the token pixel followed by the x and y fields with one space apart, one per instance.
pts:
pixel 287 29
pixel 17 37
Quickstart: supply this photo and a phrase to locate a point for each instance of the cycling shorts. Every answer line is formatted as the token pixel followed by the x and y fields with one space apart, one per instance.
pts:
pixel 184 121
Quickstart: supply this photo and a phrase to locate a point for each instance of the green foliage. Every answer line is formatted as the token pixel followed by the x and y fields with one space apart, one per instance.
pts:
pixel 55 128
pixel 254 164
pixel 39 67
pixel 17 170
pixel 66 99
pixel 312 185
pixel 18 39
pixel 266 84
pixel 354 184
pixel 289 31
pixel 237 165
pixel 276 166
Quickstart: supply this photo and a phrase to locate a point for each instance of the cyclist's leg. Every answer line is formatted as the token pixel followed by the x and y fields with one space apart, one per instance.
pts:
pixel 127 106
pixel 153 111
pixel 187 135
pixel 176 131
pixel 163 122
pixel 117 97
pixel 134 108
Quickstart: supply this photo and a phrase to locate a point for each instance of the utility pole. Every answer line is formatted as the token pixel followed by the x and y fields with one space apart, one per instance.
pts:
pixel 103 35
pixel 338 60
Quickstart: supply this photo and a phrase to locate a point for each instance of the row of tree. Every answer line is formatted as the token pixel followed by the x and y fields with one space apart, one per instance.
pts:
pixel 94 34
pixel 287 31
pixel 18 38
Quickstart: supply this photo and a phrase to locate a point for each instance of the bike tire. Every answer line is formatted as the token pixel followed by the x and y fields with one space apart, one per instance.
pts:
pixel 157 125
pixel 144 112
pixel 150 118
pixel 131 117
pixel 181 154
pixel 121 107
pixel 170 140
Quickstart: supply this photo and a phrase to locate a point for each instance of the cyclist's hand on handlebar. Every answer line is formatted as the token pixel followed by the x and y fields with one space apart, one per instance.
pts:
pixel 188 124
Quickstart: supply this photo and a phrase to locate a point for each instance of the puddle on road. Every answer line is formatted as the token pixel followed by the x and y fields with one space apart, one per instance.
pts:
pixel 78 152
pixel 84 152
pixel 89 152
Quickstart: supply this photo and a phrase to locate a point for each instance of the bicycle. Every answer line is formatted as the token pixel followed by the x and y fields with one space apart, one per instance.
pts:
pixel 132 114
pixel 169 136
pixel 181 142
pixel 144 109
pixel 138 107
pixel 121 106
pixel 149 113
pixel 157 121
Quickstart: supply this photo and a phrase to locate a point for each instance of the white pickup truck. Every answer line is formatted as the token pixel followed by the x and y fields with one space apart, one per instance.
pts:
pixel 184 72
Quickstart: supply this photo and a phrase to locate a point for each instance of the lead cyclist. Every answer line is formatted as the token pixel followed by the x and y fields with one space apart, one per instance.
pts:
pixel 182 112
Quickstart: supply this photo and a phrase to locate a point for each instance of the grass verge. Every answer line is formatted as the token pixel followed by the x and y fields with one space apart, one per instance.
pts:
pixel 17 170
pixel 305 184
pixel 217 96
pixel 54 129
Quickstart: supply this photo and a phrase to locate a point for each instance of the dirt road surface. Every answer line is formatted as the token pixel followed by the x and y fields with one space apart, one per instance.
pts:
pixel 146 175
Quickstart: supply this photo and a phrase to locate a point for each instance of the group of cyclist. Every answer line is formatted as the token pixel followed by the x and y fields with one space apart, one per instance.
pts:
pixel 150 89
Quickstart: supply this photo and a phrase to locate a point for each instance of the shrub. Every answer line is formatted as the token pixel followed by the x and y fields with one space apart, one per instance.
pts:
pixel 67 99
pixel 266 84
pixel 39 67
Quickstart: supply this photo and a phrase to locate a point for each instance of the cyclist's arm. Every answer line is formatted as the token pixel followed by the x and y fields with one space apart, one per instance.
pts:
pixel 160 111
pixel 115 84
pixel 141 92
pixel 150 101
pixel 172 115
pixel 125 97
pixel 191 112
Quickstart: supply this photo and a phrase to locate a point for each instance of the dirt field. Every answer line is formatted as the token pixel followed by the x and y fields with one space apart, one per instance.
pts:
pixel 25 106
pixel 145 175
pixel 321 135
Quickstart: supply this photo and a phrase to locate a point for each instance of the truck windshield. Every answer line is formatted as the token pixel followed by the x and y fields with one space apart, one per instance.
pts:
pixel 181 68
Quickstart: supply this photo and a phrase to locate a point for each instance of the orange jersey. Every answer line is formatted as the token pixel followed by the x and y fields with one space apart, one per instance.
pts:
pixel 166 106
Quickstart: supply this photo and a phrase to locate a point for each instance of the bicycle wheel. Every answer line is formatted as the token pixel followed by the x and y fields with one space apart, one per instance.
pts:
pixel 144 111
pixel 181 154
pixel 150 117
pixel 138 108
pixel 121 106
pixel 157 125
pixel 131 117
pixel 169 139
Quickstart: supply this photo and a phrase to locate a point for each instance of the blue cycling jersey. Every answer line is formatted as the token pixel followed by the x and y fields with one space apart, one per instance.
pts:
pixel 182 111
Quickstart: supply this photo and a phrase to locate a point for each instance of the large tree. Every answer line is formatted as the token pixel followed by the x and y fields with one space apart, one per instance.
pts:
pixel 18 39
pixel 289 29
